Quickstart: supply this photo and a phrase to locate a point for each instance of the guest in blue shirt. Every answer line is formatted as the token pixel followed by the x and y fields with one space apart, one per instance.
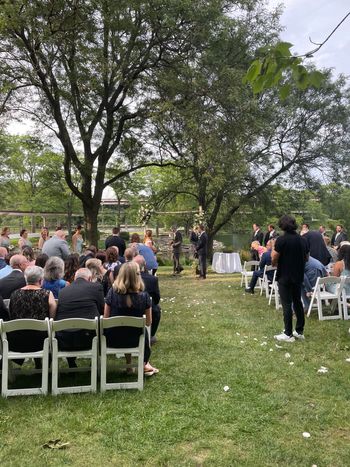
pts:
pixel 313 269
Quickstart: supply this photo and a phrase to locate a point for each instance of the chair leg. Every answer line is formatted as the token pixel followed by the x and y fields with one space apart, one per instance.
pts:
pixel 45 368
pixel 94 366
pixel 54 369
pixel 103 367
pixel 5 369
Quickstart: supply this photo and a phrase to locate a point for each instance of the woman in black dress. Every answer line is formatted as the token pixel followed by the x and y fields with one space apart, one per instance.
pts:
pixel 127 298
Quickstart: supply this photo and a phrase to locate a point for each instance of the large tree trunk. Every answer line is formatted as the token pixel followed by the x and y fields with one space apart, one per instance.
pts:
pixel 91 223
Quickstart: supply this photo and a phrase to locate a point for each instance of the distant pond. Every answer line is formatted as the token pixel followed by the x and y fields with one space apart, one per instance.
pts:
pixel 237 241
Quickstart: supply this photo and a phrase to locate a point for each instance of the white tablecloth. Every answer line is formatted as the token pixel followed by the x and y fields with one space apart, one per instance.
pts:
pixel 226 262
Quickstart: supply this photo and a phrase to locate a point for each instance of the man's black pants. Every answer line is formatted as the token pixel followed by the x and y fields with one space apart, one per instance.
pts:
pixel 290 294
pixel 202 265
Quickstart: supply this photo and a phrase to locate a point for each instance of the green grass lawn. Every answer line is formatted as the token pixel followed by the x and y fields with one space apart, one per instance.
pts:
pixel 211 335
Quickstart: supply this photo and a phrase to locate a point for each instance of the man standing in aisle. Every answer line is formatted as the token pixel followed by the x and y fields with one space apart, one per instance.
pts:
pixel 116 240
pixel 289 255
pixel 202 251
pixel 176 246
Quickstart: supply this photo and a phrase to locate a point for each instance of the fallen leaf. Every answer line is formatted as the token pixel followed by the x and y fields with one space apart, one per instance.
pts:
pixel 291 363
pixel 306 434
pixel 278 346
pixel 55 444
pixel 287 355
pixel 263 343
pixel 226 388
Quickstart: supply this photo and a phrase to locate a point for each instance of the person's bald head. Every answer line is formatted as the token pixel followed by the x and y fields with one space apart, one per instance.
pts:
pixel 140 260
pixel 3 252
pixel 83 273
pixel 60 234
pixel 19 262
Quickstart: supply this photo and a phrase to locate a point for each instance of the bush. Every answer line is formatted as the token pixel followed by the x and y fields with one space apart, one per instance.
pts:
pixel 125 236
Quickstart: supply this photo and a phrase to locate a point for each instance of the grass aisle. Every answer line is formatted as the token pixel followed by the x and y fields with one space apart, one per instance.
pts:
pixel 211 336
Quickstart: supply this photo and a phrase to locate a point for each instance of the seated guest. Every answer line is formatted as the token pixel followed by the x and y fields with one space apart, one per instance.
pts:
pixel 152 287
pixel 30 302
pixel 97 270
pixel 265 261
pixel 317 246
pixel 24 241
pixel 342 266
pixel 5 238
pixel 145 251
pixel 331 250
pixel 90 252
pixel 6 268
pixel 259 249
pixel 101 255
pixel 129 254
pixel 112 258
pixel 82 299
pixel 313 270
pixel 28 252
pixel 53 275
pixel 56 246
pixel 3 253
pixel 71 265
pixel 4 314
pixel 41 260
pixel 15 280
pixel 127 298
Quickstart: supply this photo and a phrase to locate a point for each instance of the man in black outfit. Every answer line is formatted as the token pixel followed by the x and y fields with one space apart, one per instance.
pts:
pixel 15 280
pixel 257 236
pixel 338 236
pixel 201 249
pixel 290 255
pixel 115 240
pixel 82 299
pixel 152 287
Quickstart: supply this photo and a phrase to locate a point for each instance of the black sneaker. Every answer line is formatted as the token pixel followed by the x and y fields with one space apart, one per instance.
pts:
pixel 249 290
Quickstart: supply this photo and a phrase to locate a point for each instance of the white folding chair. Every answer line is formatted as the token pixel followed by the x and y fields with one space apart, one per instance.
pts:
pixel 92 354
pixel 8 355
pixel 321 294
pixel 122 321
pixel 247 272
pixel 346 297
pixel 265 284
pixel 274 292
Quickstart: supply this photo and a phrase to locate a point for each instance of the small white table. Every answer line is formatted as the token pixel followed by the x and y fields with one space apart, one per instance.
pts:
pixel 226 263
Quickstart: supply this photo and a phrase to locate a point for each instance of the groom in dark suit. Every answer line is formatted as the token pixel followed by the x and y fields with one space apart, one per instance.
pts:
pixel 257 236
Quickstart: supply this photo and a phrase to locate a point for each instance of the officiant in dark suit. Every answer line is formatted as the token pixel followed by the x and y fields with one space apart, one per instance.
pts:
pixel 258 236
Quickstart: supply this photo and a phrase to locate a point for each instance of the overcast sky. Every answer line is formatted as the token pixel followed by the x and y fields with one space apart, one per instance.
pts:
pixel 316 19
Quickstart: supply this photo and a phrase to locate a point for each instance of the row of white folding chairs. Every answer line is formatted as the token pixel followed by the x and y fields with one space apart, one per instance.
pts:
pixel 338 297
pixel 98 363
pixel 271 288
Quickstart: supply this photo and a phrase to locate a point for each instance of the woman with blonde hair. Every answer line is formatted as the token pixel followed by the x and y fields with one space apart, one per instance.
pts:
pixel 96 268
pixel 127 298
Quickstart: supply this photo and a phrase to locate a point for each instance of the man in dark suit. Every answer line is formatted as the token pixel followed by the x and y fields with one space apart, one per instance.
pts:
pixel 201 249
pixel 82 299
pixel 270 234
pixel 257 236
pixel 152 287
pixel 317 246
pixel 115 240
pixel 15 280
pixel 265 261
pixel 338 236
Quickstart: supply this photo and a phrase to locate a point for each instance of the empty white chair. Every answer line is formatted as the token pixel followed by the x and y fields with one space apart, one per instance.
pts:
pixel 92 353
pixel 265 284
pixel 247 272
pixel 274 293
pixel 346 296
pixel 7 355
pixel 122 321
pixel 321 294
